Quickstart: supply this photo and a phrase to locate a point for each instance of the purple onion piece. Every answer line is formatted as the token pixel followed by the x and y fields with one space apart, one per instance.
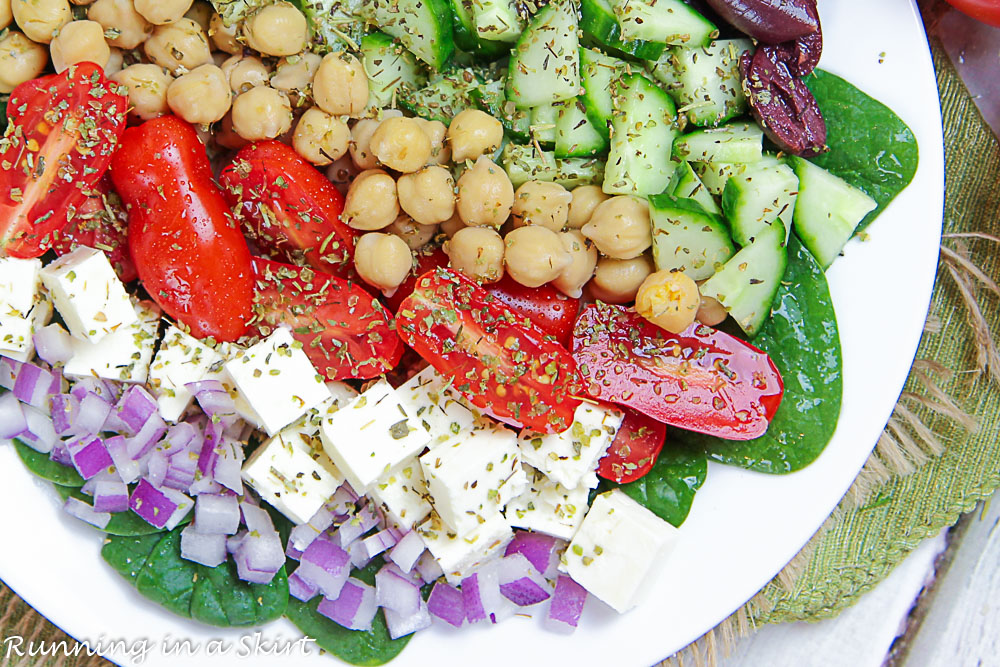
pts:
pixel 53 344
pixel 541 550
pixel 94 412
pixel 135 408
pixel 39 434
pixel 354 608
pixel 64 410
pixel 110 495
pixel 12 418
pixel 326 566
pixel 429 568
pixel 301 589
pixel 378 543
pixel 261 550
pixel 359 554
pixel 447 603
pixel 521 582
pixel 400 625
pixel 396 591
pixel 407 551
pixel 8 372
pixel 89 455
pixel 566 606
pixel 146 437
pixel 217 515
pixel 81 510
pixel 228 467
pixel 125 465
pixel 208 550
pixel 156 468
pixel 152 504
pixel 33 386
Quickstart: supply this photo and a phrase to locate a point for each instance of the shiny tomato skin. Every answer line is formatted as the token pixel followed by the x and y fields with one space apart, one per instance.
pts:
pixel 288 208
pixel 503 364
pixel 345 331
pixel 551 310
pixel 64 128
pixel 189 253
pixel 987 11
pixel 701 379
pixel 423 261
pixel 100 222
pixel 635 448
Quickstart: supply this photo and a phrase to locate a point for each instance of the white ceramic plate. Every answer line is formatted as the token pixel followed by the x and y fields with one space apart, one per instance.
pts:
pixel 743 528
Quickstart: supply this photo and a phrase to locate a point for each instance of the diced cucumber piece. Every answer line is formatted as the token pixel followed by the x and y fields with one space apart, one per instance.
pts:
pixel 336 25
pixel 688 238
pixel 497 20
pixel 827 211
pixel 643 131
pixel 600 28
pixel 543 124
pixel 733 143
pixel 545 62
pixel 759 197
pixel 715 175
pixel 747 283
pixel 525 163
pixel 490 98
pixel 423 26
pixel 705 81
pixel 391 69
pixel 576 136
pixel 665 21
pixel 687 185
pixel 466 39
pixel 444 97
pixel 598 72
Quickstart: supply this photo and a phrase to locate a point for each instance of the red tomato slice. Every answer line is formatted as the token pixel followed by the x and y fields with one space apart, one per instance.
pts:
pixel 64 128
pixel 635 448
pixel 701 380
pixel 345 331
pixel 422 263
pixel 551 310
pixel 100 222
pixel 289 209
pixel 501 362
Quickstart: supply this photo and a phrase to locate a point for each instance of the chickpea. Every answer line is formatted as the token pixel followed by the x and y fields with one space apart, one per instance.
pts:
pixel 535 255
pixel 478 252
pixel 585 199
pixel 412 232
pixel 6 17
pixel 81 3
pixel 342 173
pixel 225 136
pixel 541 203
pixel 245 72
pixel 452 226
pixel 473 133
pixel 261 113
pixel 279 29
pixel 361 139
pixel 162 12
pixel 711 312
pixel 401 145
pixel 147 90
pixel 126 27
pixel 177 45
pixel 77 42
pixel 223 36
pixel 20 60
pixel 371 201
pixel 200 96
pixel 583 261
pixel 620 227
pixel 116 60
pixel 668 299
pixel 436 131
pixel 294 74
pixel 618 280
pixel 428 195
pixel 320 137
pixel 340 86
pixel 201 13
pixel 41 19
pixel 382 260
pixel 485 195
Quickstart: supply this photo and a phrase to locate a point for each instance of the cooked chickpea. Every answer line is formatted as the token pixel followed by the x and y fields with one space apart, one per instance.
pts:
pixel 452 226
pixel 541 203
pixel 20 60
pixel 223 36
pixel 5 14
pixel 41 19
pixel 200 96
pixel 125 27
pixel 294 74
pixel 245 72
pixel 279 29
pixel 478 252
pixel 225 136
pixel 382 260
pixel 162 12
pixel 583 261
pixel 668 299
pixel 147 90
pixel 473 133
pixel 485 195
pixel 342 173
pixel 436 131
pixel 412 232
pixel 81 2
pixel 177 45
pixel 371 201
pixel 711 312
pixel 340 86
pixel 320 137
pixel 78 42
pixel 620 227
pixel 401 145
pixel 428 195
pixel 535 255
pixel 116 60
pixel 201 13
pixel 586 198
pixel 361 139
pixel 261 113
pixel 618 280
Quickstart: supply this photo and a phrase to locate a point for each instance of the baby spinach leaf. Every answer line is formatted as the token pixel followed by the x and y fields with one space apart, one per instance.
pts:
pixel 668 489
pixel 870 146
pixel 802 339
pixel 128 555
pixel 42 466
pixel 126 523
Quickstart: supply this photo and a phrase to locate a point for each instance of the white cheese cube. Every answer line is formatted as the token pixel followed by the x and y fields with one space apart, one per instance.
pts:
pixel 341 392
pixel 571 457
pixel 402 493
pixel 472 476
pixel 87 293
pixel 548 507
pixel 123 355
pixel 458 555
pixel 371 434
pixel 429 398
pixel 19 279
pixel 277 379
pixel 181 359
pixel 618 545
pixel 24 307
pixel 217 371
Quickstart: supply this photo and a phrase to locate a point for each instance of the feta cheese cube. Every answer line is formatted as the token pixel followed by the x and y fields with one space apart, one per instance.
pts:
pixel 87 293
pixel 123 355
pixel 277 379
pixel 459 555
pixel 19 280
pixel 24 307
pixel 571 457
pixel 618 545
pixel 548 507
pixel 473 476
pixel 181 359
pixel 217 371
pixel 341 392
pixel 429 398
pixel 402 493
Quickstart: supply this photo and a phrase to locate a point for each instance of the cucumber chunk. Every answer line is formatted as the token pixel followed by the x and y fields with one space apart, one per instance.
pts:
pixel 827 211
pixel 688 238
pixel 576 136
pixel 466 38
pixel 489 97
pixel 600 28
pixel 759 197
pixel 336 25
pixel 497 20
pixel 705 81
pixel 643 131
pixel 543 124
pixel 545 63
pixel 423 26
pixel 444 97
pixel 747 283
pixel 525 163
pixel 391 69
pixel 665 21
pixel 687 185
pixel 733 143
pixel 715 175
pixel 598 73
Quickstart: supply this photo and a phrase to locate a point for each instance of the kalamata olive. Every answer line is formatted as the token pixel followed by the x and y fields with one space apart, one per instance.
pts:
pixel 770 21
pixel 802 55
pixel 782 104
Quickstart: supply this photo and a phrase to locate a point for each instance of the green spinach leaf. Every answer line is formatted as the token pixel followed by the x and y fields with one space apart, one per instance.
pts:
pixel 42 466
pixel 126 524
pixel 668 489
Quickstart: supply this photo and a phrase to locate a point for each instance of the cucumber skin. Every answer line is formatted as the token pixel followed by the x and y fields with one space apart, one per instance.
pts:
pixel 466 38
pixel 664 12
pixel 386 15
pixel 523 164
pixel 576 135
pixel 736 143
pixel 377 44
pixel 606 33
pixel 681 187
pixel 526 91
pixel 737 190
pixel 692 221
pixel 680 68
pixel 597 73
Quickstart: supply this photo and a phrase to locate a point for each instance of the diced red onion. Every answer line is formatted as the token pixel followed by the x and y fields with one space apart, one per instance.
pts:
pixel 107 475
pixel 248 573
pixel 541 550
pixel 228 467
pixel 92 385
pixel 94 412
pixel 234 542
pixel 214 400
pixel 184 506
pixel 12 419
pixel 520 582
pixel 147 436
pixel 482 596
pixel 378 543
pixel 39 435
pixel 261 551
pixel 343 503
pixel 60 454
pixel 178 438
pixel 152 504
pixel 326 566
pixel 354 608
pixel 428 567
pixel 349 532
pixel 447 603
pixel 303 534
pixel 208 550
pixel 292 552
pixel 369 517
pixel 566 606
pixel 204 485
pixel 400 625
pixel 81 510
pixel 181 471
pixel 301 589
pixel 89 455
pixel 359 554
pixel 128 469
pixel 396 591
pixel 64 410
pixel 34 386
pixel 407 551
pixel 110 496
pixel 8 372
pixel 53 344
pixel 217 515
pixel 156 468
pixel 135 408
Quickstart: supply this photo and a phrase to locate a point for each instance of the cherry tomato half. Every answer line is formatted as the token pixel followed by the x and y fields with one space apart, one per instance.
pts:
pixel 100 222
pixel 551 310
pixel 423 261
pixel 635 448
